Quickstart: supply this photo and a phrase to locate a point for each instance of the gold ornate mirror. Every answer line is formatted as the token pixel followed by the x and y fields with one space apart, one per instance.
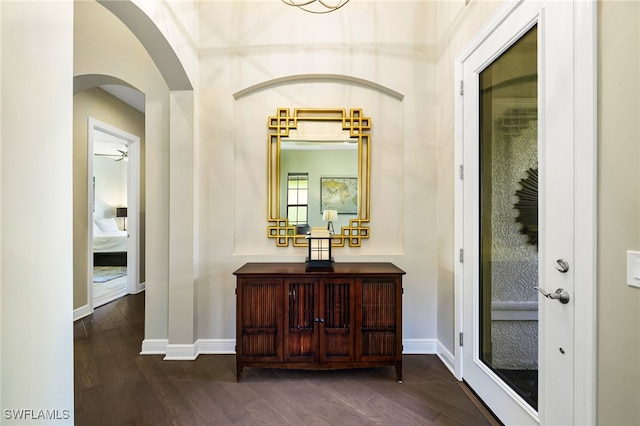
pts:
pixel 319 159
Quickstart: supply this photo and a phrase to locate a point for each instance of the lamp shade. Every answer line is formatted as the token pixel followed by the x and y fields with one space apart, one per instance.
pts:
pixel 121 212
pixel 319 250
pixel 330 215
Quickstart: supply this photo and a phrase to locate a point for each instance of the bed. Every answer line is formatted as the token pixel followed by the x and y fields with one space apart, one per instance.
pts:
pixel 109 243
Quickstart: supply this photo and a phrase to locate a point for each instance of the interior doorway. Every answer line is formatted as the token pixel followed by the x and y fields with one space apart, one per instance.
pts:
pixel 113 228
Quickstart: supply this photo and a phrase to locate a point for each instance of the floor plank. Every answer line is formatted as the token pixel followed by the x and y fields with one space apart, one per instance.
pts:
pixel 114 385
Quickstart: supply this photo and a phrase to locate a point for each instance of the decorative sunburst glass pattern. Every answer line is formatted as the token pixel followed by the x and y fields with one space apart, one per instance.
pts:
pixel 527 206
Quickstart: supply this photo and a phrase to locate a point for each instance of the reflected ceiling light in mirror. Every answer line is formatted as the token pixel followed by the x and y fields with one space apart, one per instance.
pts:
pixel 316 6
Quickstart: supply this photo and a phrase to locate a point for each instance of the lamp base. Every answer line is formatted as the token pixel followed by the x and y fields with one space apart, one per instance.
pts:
pixel 315 265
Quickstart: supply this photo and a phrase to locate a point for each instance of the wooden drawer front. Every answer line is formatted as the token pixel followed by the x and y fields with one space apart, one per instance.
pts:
pixel 337 321
pixel 380 318
pixel 300 320
pixel 259 306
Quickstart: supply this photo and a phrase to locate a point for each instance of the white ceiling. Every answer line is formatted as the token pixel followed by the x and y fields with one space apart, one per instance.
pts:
pixel 105 143
pixel 126 94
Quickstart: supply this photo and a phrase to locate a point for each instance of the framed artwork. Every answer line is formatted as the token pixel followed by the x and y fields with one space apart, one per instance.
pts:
pixel 339 193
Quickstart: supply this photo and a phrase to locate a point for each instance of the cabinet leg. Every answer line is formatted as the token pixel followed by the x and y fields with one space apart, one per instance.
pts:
pixel 399 372
pixel 239 374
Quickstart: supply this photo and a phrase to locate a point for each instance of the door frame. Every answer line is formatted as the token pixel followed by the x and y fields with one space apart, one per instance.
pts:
pixel 585 197
pixel 133 206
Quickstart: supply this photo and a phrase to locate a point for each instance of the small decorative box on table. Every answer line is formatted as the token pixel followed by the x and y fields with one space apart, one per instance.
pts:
pixel 348 316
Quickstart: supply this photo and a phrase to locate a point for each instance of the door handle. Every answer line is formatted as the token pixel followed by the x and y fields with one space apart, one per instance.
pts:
pixel 560 295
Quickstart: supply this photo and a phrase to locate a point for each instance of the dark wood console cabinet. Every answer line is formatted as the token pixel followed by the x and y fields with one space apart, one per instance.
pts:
pixel 347 317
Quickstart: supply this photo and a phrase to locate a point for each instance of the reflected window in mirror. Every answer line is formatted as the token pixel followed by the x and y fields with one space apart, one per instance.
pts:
pixel 298 198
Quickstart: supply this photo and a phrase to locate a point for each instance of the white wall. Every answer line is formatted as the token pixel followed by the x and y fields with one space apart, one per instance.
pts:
pixel 618 211
pixel 457 24
pixel 177 21
pixel 405 46
pixel 111 187
pixel 388 43
pixel 36 198
pixel 103 45
pixel 387 165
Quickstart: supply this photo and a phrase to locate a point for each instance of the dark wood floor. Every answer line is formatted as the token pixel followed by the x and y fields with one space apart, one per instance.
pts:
pixel 114 385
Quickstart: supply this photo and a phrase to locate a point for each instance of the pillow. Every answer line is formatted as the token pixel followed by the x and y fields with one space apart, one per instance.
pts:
pixel 107 225
pixel 96 230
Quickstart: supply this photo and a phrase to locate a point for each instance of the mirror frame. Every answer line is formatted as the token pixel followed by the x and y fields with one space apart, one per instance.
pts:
pixel 358 126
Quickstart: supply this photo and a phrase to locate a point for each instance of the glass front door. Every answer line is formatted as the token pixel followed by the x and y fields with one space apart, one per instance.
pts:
pixel 508 334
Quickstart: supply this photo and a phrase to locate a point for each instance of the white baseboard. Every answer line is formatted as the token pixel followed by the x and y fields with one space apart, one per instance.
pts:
pixel 228 346
pixel 154 346
pixel 418 346
pixel 216 346
pixel 180 352
pixel 446 357
pixel 85 310
pixel 187 352
pixel 81 312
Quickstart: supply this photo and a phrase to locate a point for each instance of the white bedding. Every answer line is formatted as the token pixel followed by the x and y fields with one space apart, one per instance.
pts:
pixel 107 238
pixel 106 242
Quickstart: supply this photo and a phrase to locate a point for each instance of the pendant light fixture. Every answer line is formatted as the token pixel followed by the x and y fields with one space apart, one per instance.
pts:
pixel 316 6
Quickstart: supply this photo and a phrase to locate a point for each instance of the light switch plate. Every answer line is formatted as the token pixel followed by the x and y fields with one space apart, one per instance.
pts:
pixel 633 268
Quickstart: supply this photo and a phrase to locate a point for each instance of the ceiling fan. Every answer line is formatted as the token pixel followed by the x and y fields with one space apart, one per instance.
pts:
pixel 124 155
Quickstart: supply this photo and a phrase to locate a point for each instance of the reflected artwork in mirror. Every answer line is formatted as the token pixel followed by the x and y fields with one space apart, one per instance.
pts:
pixel 318 159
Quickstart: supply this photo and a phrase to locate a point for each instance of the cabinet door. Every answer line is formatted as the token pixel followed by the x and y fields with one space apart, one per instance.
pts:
pixel 259 319
pixel 380 307
pixel 300 322
pixel 336 322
